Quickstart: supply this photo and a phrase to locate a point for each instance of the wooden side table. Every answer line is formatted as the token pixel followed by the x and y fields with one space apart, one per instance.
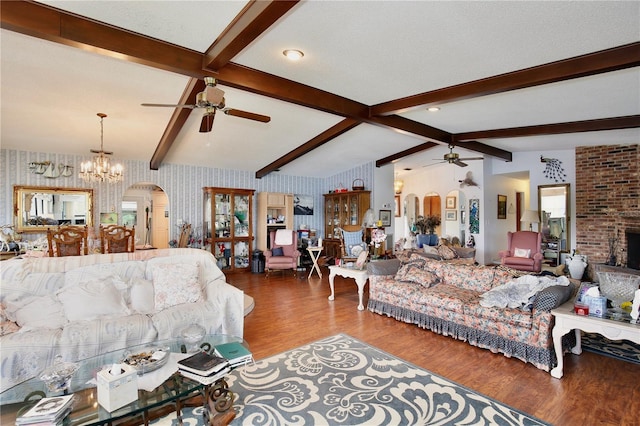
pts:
pixel 315 252
pixel 567 320
pixel 360 275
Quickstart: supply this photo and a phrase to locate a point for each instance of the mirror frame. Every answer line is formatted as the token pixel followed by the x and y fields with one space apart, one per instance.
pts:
pixel 567 202
pixel 19 192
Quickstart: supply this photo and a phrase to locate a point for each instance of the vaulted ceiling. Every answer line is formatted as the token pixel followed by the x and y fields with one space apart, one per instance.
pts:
pixel 507 77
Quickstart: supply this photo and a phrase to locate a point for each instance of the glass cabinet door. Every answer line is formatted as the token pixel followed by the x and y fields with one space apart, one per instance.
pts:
pixel 241 213
pixel 207 222
pixel 223 215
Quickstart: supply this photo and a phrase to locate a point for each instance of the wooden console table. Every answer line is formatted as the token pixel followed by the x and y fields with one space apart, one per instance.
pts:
pixel 567 320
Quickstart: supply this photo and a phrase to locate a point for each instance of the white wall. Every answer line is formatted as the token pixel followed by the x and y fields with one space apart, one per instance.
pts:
pixel 530 162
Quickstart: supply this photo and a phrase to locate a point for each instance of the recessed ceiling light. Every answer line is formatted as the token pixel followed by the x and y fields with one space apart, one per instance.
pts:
pixel 293 54
pixel 433 109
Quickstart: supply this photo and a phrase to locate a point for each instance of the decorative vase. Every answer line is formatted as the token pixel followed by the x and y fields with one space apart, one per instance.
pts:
pixel 576 265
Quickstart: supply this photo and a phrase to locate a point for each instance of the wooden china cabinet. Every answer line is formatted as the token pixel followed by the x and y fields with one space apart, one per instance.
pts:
pixel 342 208
pixel 228 226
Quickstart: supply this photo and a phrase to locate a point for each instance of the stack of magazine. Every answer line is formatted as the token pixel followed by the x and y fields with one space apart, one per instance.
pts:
pixel 204 368
pixel 235 352
pixel 48 411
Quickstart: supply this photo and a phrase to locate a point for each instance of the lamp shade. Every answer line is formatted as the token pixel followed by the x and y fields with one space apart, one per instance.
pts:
pixel 530 217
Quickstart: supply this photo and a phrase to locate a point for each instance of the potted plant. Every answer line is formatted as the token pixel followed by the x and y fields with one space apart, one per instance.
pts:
pixel 427 223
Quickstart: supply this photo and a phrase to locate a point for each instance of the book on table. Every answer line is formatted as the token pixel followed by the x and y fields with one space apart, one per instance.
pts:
pixel 47 411
pixel 235 352
pixel 206 380
pixel 203 364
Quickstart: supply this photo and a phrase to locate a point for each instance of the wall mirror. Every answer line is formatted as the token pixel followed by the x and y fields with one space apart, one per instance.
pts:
pixel 37 207
pixel 553 205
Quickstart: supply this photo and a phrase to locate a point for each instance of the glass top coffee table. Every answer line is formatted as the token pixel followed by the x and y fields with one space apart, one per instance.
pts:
pixel 86 411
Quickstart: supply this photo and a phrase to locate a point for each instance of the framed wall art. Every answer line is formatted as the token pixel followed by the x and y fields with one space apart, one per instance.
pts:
pixel 397 201
pixel 502 206
pixel 385 217
pixel 474 216
pixel 450 203
pixel 451 215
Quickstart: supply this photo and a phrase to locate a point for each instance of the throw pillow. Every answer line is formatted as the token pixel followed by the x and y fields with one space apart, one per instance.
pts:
pixel 447 252
pixel 37 312
pixel 277 251
pixel 91 300
pixel 142 296
pixel 416 274
pixel 175 283
pixel 518 252
pixel 354 250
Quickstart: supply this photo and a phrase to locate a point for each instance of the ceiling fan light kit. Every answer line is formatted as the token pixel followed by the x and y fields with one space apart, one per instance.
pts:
pixel 100 169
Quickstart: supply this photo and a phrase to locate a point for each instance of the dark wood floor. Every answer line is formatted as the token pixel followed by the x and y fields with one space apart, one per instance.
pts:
pixel 289 312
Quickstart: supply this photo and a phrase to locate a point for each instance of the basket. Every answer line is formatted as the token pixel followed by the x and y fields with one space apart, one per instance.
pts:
pixel 357 185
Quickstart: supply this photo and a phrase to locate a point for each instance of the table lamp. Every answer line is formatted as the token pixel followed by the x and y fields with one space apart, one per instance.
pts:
pixel 530 216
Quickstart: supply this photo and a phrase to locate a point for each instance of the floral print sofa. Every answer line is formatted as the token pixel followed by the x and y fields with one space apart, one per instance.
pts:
pixel 80 306
pixel 448 299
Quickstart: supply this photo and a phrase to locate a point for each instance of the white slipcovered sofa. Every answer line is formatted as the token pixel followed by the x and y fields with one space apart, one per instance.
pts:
pixel 78 307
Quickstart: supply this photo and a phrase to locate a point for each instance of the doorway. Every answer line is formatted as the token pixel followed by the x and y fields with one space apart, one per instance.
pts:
pixel 146 206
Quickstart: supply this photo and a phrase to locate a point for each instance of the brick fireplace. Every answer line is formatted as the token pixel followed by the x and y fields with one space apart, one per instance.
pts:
pixel 607 193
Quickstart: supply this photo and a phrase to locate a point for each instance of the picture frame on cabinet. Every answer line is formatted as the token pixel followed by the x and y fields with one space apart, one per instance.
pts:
pixel 385 217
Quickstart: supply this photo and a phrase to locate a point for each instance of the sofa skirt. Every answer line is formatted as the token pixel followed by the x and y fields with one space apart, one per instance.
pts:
pixel 542 358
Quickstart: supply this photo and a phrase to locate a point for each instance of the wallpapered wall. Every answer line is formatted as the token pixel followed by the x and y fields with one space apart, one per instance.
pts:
pixel 183 185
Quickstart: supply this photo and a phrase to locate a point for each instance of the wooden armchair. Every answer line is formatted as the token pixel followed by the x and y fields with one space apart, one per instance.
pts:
pixel 118 239
pixel 352 242
pixel 68 241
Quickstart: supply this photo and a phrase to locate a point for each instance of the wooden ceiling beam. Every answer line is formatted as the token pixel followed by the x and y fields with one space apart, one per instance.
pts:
pixel 176 122
pixel 253 20
pixel 51 24
pixel 407 152
pixel 324 137
pixel 617 58
pixel 613 123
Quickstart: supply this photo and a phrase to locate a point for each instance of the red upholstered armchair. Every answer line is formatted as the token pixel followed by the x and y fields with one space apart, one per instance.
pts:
pixel 284 252
pixel 525 252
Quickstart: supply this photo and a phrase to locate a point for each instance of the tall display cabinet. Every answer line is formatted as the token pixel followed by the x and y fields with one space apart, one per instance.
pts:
pixel 342 208
pixel 275 211
pixel 228 226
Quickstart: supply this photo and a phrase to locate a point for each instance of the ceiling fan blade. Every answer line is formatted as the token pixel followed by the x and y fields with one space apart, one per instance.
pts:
pixel 207 121
pixel 433 164
pixel 471 158
pixel 248 115
pixel 460 163
pixel 171 105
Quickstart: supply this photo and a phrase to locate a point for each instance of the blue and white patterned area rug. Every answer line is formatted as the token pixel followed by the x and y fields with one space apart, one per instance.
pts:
pixel 620 349
pixel 343 381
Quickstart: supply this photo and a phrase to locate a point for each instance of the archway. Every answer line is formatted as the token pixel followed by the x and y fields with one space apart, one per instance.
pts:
pixel 145 205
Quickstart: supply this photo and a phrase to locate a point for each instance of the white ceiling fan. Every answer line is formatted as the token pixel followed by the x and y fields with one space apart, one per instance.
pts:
pixel 212 99
pixel 454 158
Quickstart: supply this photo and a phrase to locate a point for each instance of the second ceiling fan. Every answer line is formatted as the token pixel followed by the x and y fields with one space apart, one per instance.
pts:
pixel 212 99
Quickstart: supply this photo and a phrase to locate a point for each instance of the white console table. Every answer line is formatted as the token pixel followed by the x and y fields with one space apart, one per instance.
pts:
pixel 360 275
pixel 567 320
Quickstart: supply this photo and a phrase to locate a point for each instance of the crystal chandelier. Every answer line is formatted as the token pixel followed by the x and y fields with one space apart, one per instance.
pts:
pixel 100 169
